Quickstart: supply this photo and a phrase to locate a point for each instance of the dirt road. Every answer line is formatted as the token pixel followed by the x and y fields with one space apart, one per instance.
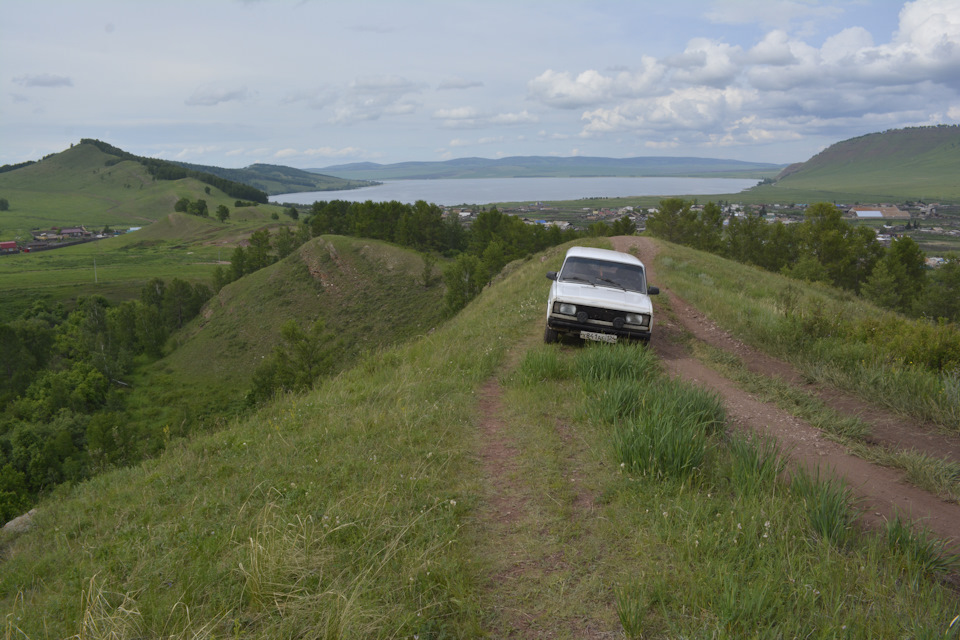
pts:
pixel 883 491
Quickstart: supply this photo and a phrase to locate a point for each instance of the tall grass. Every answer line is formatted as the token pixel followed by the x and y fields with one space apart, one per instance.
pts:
pixel 730 547
pixel 669 434
pixel 828 505
pixel 834 337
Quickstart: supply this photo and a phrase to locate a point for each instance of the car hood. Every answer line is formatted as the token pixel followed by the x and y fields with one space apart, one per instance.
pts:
pixel 599 296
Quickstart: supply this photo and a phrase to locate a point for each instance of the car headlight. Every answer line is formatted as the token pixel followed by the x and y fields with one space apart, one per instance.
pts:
pixel 636 318
pixel 568 309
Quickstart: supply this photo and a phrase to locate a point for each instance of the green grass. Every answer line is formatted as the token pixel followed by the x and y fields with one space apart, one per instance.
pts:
pixel 367 292
pixel 359 510
pixel 176 246
pixel 830 335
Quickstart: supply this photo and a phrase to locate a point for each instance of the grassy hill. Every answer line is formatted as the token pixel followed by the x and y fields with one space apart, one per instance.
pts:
pixel 542 166
pixel 276 179
pixel 920 163
pixel 370 294
pixel 85 185
pixel 363 509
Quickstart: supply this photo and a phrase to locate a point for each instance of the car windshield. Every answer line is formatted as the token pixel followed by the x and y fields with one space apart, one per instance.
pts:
pixel 604 273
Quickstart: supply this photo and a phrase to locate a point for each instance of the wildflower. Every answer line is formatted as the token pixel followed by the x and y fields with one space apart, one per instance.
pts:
pixel 453 503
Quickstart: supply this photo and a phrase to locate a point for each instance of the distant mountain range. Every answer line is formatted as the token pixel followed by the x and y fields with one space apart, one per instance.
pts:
pixel 554 167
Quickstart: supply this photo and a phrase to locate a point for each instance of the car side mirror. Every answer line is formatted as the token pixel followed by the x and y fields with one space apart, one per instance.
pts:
pixel 551 275
pixel 652 291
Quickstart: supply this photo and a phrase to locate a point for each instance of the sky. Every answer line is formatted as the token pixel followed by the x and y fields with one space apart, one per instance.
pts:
pixel 315 83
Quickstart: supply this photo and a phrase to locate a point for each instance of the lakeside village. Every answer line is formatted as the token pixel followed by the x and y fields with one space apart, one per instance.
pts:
pixel 889 220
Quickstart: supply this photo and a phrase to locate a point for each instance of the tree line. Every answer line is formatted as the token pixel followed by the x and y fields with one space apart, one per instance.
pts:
pixel 824 247
pixel 479 251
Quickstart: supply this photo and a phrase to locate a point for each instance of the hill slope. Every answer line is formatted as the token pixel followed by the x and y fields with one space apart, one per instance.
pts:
pixel 275 179
pixel 919 163
pixel 368 293
pixel 463 484
pixel 95 185
pixel 542 166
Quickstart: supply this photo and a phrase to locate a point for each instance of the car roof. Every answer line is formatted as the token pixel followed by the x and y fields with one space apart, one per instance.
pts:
pixel 602 254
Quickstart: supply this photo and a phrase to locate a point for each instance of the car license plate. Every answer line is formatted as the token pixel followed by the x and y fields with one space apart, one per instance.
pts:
pixel 599 337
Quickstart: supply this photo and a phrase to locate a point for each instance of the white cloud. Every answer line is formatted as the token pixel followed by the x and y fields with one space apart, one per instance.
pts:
pixel 780 89
pixel 473 118
pixel 458 113
pixel 706 62
pixel 561 89
pixel 514 118
pixel 371 97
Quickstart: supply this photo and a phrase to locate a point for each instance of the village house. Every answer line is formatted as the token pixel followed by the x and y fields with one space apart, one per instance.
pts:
pixel 7 247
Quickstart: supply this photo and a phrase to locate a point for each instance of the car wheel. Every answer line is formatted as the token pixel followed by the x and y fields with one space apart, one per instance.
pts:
pixel 550 336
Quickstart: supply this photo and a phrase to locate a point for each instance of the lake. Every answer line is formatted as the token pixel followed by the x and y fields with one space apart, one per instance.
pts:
pixel 489 190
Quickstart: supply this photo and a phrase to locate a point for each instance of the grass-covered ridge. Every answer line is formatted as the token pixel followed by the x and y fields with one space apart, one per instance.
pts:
pixel 832 335
pixel 354 511
pixel 919 163
pixel 369 294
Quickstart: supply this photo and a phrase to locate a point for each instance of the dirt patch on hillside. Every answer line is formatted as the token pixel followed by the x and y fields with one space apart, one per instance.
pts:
pixel 883 491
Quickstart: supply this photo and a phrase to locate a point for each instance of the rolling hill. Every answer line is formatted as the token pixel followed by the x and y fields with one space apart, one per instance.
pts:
pixel 919 163
pixel 345 282
pixel 276 179
pixel 96 185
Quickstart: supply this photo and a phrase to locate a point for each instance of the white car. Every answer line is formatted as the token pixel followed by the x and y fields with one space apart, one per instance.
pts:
pixel 599 295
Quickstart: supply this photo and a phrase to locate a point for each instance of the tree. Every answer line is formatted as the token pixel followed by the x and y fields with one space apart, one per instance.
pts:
pixel 220 278
pixel 884 286
pixel 199 208
pixel 238 264
pixel 297 362
pixel 672 220
pixel 941 296
pixel 284 242
pixel 182 205
pixel 465 279
pixel 707 229
pixel 744 239
pixel 258 253
pixel 4 204
pixel 223 213
pixel 847 253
